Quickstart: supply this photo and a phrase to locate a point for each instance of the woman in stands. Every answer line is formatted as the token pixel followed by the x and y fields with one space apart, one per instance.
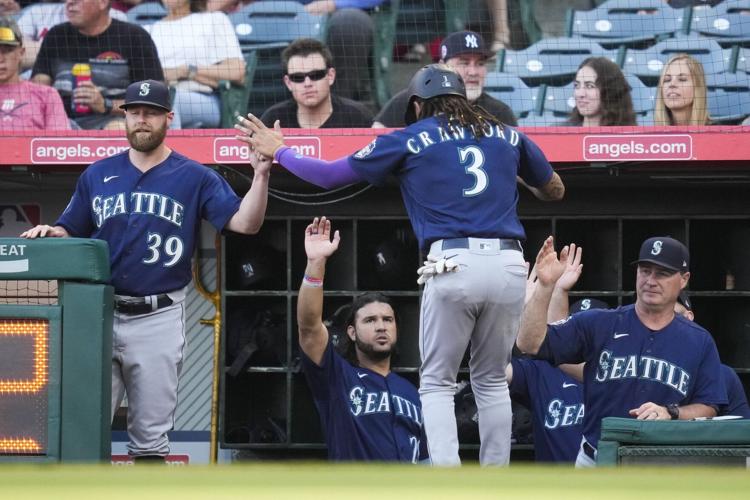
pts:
pixel 681 95
pixel 602 95
pixel 197 50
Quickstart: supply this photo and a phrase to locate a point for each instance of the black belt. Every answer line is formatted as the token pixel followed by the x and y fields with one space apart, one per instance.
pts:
pixel 505 244
pixel 138 305
pixel 589 450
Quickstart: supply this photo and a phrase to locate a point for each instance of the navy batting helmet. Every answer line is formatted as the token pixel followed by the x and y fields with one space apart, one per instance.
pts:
pixel 431 81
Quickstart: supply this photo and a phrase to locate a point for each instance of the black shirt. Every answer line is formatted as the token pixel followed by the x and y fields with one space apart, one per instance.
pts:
pixel 124 53
pixel 392 114
pixel 346 114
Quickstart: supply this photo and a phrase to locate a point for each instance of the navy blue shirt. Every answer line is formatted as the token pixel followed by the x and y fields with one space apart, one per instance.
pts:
pixel 364 415
pixel 453 184
pixel 150 220
pixel 556 403
pixel 628 364
pixel 737 404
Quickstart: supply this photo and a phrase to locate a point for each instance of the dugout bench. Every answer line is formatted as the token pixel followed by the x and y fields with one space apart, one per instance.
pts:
pixel 627 441
pixel 55 350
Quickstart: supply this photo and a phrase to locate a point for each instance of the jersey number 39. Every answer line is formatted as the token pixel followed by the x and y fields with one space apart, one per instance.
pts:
pixel 472 159
pixel 172 249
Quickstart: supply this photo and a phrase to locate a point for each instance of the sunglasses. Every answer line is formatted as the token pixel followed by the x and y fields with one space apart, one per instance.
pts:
pixel 314 75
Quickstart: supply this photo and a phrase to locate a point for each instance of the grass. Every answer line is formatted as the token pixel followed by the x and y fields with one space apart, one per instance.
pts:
pixel 328 481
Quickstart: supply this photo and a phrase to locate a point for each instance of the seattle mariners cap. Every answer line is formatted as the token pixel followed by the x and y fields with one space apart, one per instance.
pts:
pixel 685 300
pixel 148 92
pixel 587 304
pixel 463 42
pixel 665 252
pixel 10 34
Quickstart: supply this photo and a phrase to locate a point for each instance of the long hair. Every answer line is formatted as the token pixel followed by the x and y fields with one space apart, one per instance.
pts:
pixel 458 111
pixel 614 94
pixel 347 348
pixel 699 109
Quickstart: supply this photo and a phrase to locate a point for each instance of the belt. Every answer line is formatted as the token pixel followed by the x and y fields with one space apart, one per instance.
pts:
pixel 589 450
pixel 505 244
pixel 142 305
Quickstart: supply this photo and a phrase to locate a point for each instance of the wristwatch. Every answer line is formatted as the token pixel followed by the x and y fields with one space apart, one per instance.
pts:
pixel 192 71
pixel 674 411
pixel 108 105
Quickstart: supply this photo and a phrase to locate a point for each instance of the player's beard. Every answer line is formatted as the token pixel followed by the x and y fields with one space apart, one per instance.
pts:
pixel 146 144
pixel 370 351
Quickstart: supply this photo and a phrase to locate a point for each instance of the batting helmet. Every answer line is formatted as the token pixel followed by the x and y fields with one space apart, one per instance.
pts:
pixel 431 81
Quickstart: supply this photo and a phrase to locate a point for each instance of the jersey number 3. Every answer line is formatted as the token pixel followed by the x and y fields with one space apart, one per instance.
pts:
pixel 472 159
pixel 172 248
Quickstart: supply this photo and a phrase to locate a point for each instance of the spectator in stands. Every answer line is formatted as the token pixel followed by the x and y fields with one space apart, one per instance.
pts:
pixel 116 53
pixel 350 35
pixel 602 95
pixel 36 20
pixel 9 7
pixel 197 49
pixel 465 53
pixel 25 105
pixel 309 75
pixel 681 95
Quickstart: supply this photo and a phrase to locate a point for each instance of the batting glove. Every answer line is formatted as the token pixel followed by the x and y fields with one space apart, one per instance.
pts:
pixel 435 265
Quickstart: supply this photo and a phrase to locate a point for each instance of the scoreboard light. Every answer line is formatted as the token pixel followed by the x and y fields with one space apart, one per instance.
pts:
pixel 26 396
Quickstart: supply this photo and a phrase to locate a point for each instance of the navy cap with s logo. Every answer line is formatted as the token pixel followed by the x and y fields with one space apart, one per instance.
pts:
pixel 149 93
pixel 665 252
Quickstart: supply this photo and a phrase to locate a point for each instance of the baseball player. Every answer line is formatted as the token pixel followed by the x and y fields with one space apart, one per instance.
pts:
pixel 642 360
pixel 737 399
pixel 367 411
pixel 457 167
pixel 147 203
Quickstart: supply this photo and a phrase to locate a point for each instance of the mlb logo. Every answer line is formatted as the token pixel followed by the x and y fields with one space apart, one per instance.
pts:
pixel 15 219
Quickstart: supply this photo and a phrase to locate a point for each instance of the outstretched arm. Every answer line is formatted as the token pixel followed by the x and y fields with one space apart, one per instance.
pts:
pixel 313 335
pixel 249 217
pixel 534 319
pixel 270 143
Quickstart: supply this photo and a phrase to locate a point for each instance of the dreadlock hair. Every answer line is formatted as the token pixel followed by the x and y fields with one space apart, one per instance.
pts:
pixel 458 111
pixel 346 346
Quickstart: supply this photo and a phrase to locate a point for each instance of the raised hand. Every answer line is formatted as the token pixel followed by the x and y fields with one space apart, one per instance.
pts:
pixel 318 242
pixel 261 138
pixel 573 269
pixel 548 266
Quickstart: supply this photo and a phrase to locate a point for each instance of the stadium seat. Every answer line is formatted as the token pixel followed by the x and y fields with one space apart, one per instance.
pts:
pixel 145 14
pixel 648 64
pixel 644 97
pixel 633 23
pixel 728 23
pixel 512 91
pixel 729 81
pixel 419 21
pixel 552 60
pixel 234 98
pixel 727 107
pixel 266 29
pixel 543 120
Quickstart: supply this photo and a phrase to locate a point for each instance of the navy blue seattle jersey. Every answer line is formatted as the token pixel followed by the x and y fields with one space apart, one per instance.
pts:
pixel 556 403
pixel 150 220
pixel 364 415
pixel 628 364
pixel 737 400
pixel 453 184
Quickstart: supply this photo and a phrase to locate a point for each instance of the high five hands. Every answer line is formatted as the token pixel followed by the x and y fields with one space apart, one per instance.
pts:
pixel 261 139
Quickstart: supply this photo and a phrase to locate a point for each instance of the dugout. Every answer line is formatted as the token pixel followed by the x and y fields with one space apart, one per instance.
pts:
pixel 55 350
pixel 626 441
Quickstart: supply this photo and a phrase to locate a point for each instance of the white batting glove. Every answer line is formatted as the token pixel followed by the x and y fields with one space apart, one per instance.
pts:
pixel 435 265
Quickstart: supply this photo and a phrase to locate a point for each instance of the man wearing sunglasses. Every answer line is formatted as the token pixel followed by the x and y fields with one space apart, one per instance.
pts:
pixel 309 75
